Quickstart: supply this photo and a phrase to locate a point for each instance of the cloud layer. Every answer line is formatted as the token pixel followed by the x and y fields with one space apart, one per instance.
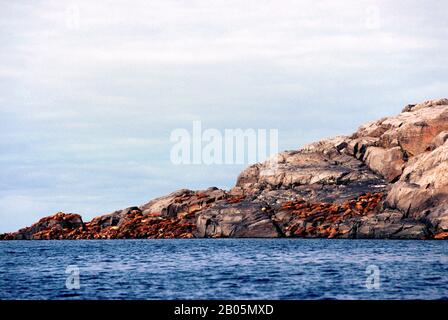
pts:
pixel 90 91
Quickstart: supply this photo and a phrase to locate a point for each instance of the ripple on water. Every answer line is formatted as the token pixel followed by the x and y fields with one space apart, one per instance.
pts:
pixel 224 268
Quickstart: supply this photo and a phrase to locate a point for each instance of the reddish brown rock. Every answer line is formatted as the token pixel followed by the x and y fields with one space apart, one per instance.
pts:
pixel 52 227
pixel 412 130
pixel 300 218
pixel 441 236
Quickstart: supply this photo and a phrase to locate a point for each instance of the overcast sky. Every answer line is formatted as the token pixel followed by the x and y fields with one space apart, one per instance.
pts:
pixel 90 90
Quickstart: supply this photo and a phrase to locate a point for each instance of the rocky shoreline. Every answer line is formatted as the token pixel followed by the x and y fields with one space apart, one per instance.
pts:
pixel 389 180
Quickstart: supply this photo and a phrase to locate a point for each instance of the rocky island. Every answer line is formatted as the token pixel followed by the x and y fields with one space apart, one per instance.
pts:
pixel 387 180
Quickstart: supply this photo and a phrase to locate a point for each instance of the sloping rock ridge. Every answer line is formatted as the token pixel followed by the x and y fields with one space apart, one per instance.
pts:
pixel 388 180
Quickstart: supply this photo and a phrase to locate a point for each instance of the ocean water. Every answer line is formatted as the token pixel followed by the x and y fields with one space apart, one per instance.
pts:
pixel 224 269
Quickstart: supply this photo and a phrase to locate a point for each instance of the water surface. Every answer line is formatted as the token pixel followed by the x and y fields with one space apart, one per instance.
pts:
pixel 225 269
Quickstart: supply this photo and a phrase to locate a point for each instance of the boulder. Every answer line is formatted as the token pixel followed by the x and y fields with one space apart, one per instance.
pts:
pixel 183 202
pixel 113 219
pixel 237 220
pixel 388 163
pixel 438 140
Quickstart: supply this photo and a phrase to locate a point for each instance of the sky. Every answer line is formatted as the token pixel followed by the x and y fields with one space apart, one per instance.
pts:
pixel 91 90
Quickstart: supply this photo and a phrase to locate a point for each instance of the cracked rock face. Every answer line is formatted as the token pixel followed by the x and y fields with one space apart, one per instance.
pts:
pixel 387 180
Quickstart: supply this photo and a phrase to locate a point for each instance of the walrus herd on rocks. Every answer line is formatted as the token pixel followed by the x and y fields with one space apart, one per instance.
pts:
pixel 388 180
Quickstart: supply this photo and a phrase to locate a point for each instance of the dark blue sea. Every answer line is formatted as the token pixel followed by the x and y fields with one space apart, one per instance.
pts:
pixel 224 269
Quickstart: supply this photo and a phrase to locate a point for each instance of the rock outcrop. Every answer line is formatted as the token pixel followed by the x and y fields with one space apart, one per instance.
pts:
pixel 387 180
pixel 53 227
